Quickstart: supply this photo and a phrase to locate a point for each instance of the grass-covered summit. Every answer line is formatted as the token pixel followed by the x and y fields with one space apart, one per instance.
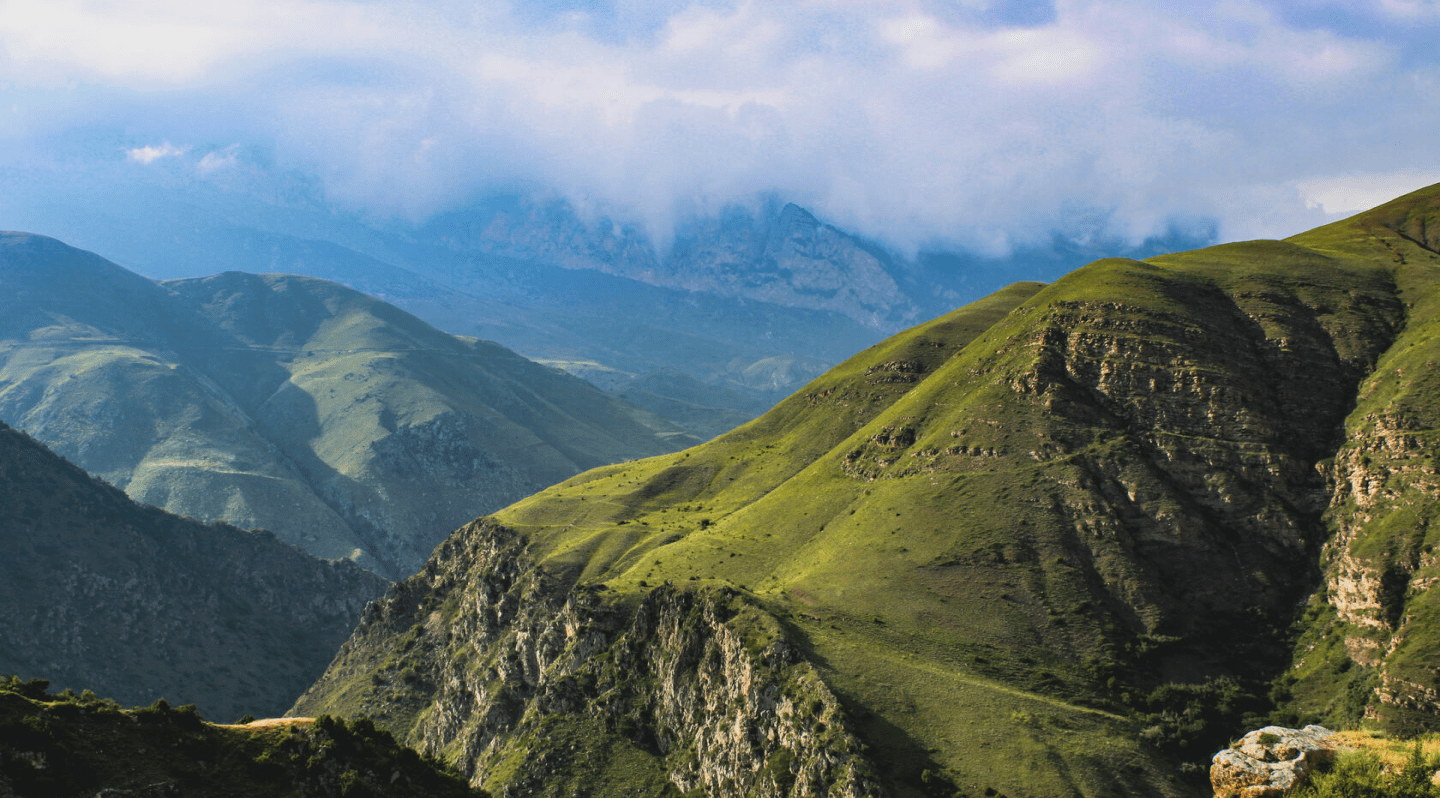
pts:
pixel 1051 543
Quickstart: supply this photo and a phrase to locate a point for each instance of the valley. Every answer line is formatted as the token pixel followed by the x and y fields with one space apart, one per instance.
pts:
pixel 102 594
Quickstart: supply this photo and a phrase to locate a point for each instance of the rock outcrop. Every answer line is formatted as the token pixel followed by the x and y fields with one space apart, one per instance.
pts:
pixel 1270 762
pixel 699 685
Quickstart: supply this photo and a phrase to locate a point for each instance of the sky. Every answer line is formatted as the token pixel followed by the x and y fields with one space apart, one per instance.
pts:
pixel 968 124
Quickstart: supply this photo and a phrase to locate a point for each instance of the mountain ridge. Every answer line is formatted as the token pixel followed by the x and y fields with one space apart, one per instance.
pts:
pixel 338 421
pixel 1067 525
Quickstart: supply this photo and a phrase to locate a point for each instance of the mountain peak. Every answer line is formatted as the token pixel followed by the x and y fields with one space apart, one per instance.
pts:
pixel 793 214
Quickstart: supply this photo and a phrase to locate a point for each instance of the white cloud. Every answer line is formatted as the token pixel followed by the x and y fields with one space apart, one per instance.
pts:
pixel 908 120
pixel 154 152
pixel 1352 193
pixel 1412 9
pixel 217 160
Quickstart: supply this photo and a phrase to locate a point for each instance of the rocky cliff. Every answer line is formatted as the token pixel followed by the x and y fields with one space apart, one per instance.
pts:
pixel 99 593
pixel 779 254
pixel 1369 638
pixel 502 666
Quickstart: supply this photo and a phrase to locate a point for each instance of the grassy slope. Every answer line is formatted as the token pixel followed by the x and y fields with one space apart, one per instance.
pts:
pixel 136 602
pixel 763 508
pixel 358 370
pixel 943 593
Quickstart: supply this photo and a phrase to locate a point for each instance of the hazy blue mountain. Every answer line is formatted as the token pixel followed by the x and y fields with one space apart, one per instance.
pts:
pixel 757 300
pixel 340 422
pixel 775 252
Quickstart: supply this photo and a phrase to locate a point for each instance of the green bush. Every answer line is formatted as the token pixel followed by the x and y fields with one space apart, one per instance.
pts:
pixel 35 689
pixel 1360 774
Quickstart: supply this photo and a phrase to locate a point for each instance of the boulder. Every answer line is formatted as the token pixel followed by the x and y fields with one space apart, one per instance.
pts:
pixel 1270 762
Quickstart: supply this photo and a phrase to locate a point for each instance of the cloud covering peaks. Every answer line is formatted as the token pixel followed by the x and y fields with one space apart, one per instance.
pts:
pixel 920 124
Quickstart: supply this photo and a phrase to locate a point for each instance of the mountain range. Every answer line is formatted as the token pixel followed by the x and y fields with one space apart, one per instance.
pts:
pixel 1065 540
pixel 757 299
pixel 340 423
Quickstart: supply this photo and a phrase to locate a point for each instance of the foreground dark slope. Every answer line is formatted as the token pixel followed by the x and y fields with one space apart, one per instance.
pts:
pixel 1049 544
pixel 344 425
pixel 80 745
pixel 100 593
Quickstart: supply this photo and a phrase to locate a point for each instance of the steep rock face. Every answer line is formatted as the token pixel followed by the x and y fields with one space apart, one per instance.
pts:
pixel 1384 503
pixel 1180 416
pixel 102 594
pixel 790 258
pixel 699 683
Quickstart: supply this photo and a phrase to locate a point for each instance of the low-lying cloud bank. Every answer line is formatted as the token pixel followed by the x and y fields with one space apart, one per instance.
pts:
pixel 981 125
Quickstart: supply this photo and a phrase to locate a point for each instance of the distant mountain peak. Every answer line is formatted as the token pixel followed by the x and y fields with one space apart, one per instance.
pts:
pixel 793 214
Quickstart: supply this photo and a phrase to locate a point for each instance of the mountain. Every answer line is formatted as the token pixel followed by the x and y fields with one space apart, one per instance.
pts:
pixel 756 299
pixel 582 320
pixel 101 593
pixel 1051 543
pixel 781 255
pixel 70 744
pixel 339 422
pixel 773 252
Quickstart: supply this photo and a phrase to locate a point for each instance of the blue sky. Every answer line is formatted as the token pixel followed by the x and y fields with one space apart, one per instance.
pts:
pixel 965 124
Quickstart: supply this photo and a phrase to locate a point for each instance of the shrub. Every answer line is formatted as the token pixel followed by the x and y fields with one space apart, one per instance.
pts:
pixel 1360 774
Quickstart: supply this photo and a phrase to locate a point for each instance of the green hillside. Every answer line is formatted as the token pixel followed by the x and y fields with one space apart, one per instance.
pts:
pixel 1049 544
pixel 339 422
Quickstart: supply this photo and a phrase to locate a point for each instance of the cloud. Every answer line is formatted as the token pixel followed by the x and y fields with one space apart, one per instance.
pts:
pixel 218 160
pixel 154 152
pixel 1352 193
pixel 979 124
